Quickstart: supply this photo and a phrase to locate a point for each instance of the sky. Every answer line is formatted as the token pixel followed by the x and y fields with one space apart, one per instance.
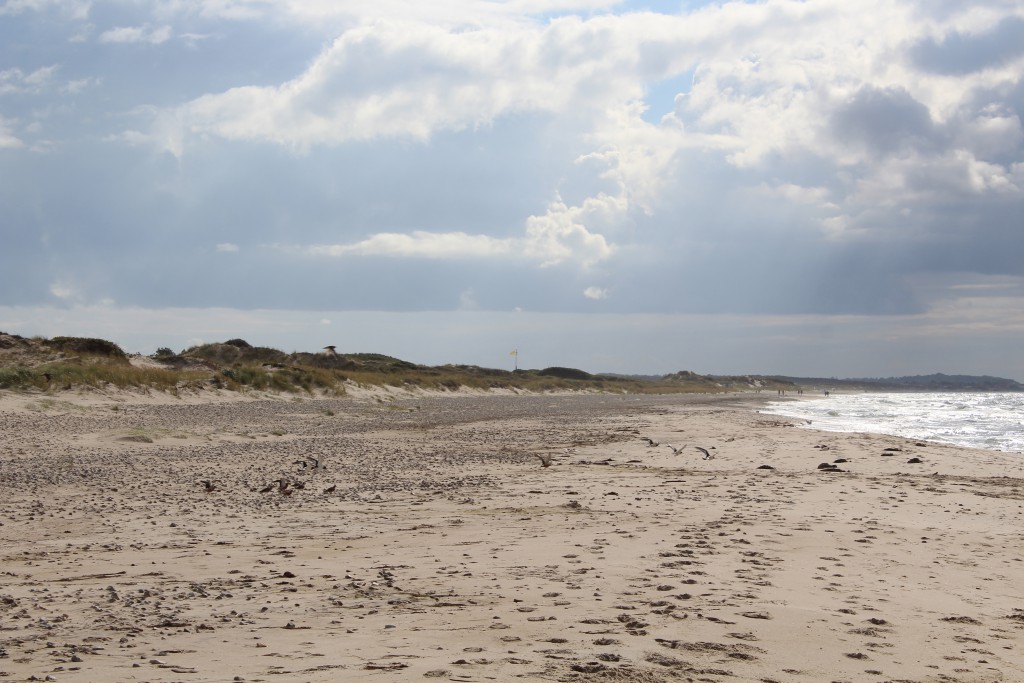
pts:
pixel 799 187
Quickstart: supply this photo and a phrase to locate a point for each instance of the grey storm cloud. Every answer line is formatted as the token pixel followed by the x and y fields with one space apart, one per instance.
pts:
pixel 959 53
pixel 885 120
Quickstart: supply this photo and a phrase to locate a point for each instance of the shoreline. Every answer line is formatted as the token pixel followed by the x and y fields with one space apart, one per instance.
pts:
pixel 934 417
pixel 447 551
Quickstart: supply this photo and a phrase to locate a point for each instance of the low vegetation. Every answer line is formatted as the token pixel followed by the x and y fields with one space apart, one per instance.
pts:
pixel 70 362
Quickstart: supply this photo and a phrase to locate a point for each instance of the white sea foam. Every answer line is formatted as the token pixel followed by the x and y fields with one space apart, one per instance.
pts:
pixel 994 421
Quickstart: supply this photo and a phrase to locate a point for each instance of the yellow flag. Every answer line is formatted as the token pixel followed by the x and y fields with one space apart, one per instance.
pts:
pixel 514 353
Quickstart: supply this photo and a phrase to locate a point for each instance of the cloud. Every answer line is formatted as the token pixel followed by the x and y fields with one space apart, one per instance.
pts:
pixel 72 9
pixel 413 80
pixel 64 291
pixel 137 34
pixel 799 157
pixel 8 138
pixel 961 52
pixel 420 244
pixel 557 236
pixel 16 81
pixel 884 121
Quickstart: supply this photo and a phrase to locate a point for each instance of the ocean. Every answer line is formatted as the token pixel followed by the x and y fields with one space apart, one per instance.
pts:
pixel 993 421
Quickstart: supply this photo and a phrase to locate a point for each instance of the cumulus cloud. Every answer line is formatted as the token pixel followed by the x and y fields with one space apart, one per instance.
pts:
pixel 557 236
pixel 595 293
pixel 399 78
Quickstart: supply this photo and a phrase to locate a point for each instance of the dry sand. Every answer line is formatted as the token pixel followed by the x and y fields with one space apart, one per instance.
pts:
pixel 447 551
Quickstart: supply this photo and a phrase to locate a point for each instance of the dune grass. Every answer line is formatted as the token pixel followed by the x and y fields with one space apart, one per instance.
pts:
pixel 292 378
pixel 99 374
pixel 68 362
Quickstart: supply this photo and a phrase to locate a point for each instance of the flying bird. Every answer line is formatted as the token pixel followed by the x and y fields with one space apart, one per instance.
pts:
pixel 545 459
pixel 331 488
pixel 707 455
pixel 210 486
pixel 651 443
pixel 676 451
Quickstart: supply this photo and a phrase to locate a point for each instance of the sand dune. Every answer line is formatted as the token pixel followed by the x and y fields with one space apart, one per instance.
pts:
pixel 446 551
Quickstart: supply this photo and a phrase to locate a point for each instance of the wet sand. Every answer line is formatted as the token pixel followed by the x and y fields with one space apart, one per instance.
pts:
pixel 445 550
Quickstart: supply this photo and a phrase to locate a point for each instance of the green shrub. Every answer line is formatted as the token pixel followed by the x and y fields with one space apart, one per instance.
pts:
pixel 565 373
pixel 87 345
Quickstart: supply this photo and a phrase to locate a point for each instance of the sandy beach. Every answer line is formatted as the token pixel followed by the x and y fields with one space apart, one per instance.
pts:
pixel 432 543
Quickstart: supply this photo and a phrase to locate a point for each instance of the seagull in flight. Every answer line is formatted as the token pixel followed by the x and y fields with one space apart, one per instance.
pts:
pixel 676 451
pixel 651 443
pixel 707 455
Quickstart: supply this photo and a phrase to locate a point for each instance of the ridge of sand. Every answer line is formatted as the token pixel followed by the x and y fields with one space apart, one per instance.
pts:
pixel 446 551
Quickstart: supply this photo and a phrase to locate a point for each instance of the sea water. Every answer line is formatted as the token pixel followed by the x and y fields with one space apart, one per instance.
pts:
pixel 993 421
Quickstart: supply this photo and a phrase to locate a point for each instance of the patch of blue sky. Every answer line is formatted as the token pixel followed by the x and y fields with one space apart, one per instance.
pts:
pixel 657 6
pixel 661 95
pixel 665 6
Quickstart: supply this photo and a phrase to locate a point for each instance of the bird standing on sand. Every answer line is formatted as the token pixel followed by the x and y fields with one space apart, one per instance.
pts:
pixel 707 455
pixel 331 489
pixel 210 486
